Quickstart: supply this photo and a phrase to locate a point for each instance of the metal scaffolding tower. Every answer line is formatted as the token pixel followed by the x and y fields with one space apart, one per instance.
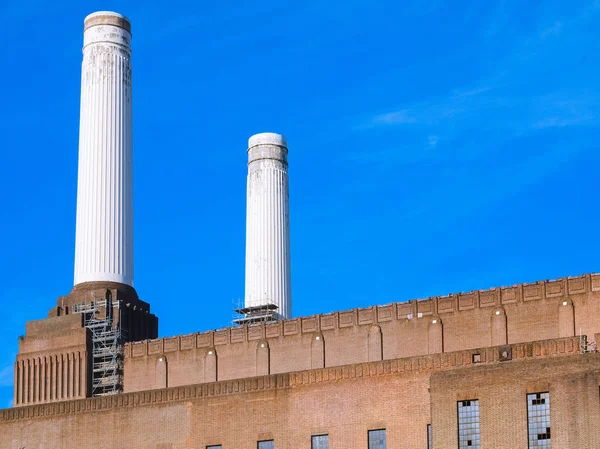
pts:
pixel 107 345
pixel 266 313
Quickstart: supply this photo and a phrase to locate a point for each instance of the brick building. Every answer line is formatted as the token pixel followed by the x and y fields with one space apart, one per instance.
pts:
pixel 510 367
pixel 500 368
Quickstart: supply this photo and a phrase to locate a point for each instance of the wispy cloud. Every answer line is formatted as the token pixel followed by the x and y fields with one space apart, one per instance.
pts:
pixel 560 122
pixel 498 113
pixel 435 110
pixel 401 117
pixel 523 94
pixel 552 30
pixel 471 92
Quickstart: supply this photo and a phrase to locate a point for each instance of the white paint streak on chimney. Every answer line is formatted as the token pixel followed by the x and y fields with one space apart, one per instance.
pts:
pixel 268 278
pixel 104 232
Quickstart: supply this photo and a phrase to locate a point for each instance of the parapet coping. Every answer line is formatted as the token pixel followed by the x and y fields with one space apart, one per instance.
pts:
pixel 559 347
pixel 412 309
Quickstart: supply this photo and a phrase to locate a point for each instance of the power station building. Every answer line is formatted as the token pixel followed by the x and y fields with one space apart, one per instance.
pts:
pixel 504 368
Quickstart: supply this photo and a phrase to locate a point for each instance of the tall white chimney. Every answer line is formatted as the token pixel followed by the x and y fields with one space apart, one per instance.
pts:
pixel 104 233
pixel 268 279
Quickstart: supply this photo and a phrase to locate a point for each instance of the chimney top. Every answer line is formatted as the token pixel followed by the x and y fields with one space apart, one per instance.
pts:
pixel 267 139
pixel 107 18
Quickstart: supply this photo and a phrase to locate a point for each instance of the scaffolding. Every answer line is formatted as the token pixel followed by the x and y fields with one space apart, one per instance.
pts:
pixel 265 313
pixel 107 345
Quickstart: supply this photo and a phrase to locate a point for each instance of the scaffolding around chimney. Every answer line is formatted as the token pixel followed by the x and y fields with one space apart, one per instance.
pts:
pixel 265 313
pixel 107 344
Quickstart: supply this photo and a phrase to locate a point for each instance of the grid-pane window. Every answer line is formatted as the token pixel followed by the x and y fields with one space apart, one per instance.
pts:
pixel 377 439
pixel 320 442
pixel 538 420
pixel 468 424
pixel 266 444
pixel 429 437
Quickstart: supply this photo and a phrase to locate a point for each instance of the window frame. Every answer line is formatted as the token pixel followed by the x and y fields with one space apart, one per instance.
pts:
pixel 530 418
pixel 429 437
pixel 376 430
pixel 316 436
pixel 458 421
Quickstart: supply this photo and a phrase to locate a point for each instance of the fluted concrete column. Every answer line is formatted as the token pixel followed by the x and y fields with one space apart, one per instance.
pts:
pixel 268 279
pixel 104 233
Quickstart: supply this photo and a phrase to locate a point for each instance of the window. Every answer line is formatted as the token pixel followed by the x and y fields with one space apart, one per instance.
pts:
pixel 218 446
pixel 468 424
pixel 377 439
pixel 429 437
pixel 538 420
pixel 266 444
pixel 320 442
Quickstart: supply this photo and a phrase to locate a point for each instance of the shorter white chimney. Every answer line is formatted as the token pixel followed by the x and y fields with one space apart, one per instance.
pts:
pixel 268 278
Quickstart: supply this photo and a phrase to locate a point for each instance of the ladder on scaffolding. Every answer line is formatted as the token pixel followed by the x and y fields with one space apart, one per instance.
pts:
pixel 107 345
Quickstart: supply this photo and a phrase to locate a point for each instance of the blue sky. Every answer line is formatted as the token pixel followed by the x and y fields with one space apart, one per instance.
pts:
pixel 435 147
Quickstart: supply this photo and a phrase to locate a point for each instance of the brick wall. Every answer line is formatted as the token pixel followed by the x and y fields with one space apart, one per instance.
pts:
pixel 502 390
pixel 344 402
pixel 521 313
pixel 53 361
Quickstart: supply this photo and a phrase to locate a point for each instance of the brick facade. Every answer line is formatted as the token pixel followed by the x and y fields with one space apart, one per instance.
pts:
pixel 522 313
pixel 54 360
pixel 402 396
pixel 399 367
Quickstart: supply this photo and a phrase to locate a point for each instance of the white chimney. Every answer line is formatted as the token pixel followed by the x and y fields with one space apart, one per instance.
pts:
pixel 104 233
pixel 268 279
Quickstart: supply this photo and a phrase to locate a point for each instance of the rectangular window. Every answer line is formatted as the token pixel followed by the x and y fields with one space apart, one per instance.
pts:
pixel 429 437
pixel 266 444
pixel 377 439
pixel 218 446
pixel 538 420
pixel 468 424
pixel 320 442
